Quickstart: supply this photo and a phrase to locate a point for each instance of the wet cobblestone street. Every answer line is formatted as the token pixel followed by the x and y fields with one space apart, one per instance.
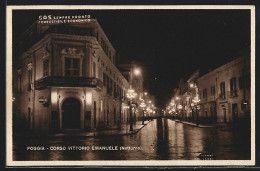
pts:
pixel 161 139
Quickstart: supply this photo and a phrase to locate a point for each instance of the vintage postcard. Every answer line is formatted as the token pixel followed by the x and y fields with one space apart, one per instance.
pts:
pixel 120 85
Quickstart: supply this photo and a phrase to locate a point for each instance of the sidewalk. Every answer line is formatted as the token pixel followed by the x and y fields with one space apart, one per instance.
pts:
pixel 194 124
pixel 137 126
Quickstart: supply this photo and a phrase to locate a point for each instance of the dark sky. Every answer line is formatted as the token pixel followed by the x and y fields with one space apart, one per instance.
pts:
pixel 171 44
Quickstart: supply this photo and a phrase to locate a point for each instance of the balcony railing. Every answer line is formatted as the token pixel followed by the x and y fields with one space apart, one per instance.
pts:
pixel 232 93
pixel 68 82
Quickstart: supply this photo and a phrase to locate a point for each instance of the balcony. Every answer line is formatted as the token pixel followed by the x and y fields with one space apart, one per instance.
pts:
pixel 232 94
pixel 68 82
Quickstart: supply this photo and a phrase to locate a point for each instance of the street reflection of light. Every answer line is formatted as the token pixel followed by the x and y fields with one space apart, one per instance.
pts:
pixel 89 98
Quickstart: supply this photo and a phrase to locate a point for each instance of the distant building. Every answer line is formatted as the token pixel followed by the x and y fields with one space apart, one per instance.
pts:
pixel 222 95
pixel 65 78
pixel 136 81
pixel 192 98
pixel 225 92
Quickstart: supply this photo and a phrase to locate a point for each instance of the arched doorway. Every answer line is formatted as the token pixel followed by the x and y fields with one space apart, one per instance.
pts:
pixel 71 114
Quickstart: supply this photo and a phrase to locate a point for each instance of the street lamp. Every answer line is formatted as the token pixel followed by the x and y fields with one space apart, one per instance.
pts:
pixel 142 105
pixel 196 100
pixel 137 71
pixel 179 108
pixel 130 95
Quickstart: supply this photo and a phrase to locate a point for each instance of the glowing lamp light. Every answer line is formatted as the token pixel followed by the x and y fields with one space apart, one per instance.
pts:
pixel 177 98
pixel 142 105
pixel 137 71
pixel 89 98
pixel 101 105
pixel 126 107
pixel 191 85
pixel 54 97
pixel 145 93
pixel 179 107
pixel 192 104
pixel 131 94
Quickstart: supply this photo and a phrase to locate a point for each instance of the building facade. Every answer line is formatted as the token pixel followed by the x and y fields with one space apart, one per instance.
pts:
pixel 220 96
pixel 66 78
pixel 225 92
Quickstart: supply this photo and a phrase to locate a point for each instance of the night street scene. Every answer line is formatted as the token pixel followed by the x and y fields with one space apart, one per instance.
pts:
pixel 148 84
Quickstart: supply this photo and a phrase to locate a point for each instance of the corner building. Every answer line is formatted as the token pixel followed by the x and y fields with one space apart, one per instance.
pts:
pixel 66 78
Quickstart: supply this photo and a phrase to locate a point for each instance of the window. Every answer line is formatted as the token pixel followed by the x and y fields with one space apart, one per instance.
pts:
pixel 241 82
pixel 222 90
pixel 46 68
pixel 94 70
pixel 244 82
pixel 97 36
pixel 115 90
pixel 204 93
pixel 29 76
pixel 104 79
pixel 19 83
pixel 29 79
pixel 72 66
pixel 233 86
pixel 212 91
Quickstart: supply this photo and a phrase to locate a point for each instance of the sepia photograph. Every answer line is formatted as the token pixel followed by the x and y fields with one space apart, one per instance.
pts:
pixel 130 85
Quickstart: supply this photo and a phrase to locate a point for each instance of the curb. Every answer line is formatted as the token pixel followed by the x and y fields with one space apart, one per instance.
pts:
pixel 194 125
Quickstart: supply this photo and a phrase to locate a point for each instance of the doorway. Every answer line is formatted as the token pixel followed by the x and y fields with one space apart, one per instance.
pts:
pixel 225 114
pixel 71 114
pixel 235 112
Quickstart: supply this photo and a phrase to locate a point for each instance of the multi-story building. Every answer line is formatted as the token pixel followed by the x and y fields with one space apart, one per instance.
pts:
pixel 222 95
pixel 192 98
pixel 225 92
pixel 65 78
pixel 133 73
